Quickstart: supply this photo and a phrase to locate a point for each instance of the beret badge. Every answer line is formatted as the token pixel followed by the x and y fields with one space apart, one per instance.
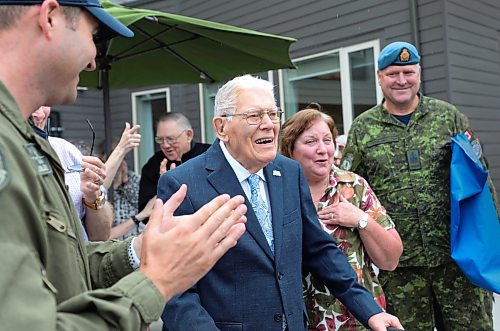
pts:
pixel 404 56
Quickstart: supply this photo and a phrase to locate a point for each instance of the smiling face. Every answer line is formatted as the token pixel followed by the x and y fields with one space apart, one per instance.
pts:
pixel 253 146
pixel 400 85
pixel 314 149
pixel 180 139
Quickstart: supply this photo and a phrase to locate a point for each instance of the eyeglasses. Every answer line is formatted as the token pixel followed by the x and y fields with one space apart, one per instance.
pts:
pixel 169 140
pixel 254 117
pixel 78 167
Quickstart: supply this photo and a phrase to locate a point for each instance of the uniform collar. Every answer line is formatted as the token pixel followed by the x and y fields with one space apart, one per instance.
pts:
pixel 419 111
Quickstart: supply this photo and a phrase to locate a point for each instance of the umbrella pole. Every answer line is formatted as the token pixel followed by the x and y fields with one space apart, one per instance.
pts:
pixel 108 135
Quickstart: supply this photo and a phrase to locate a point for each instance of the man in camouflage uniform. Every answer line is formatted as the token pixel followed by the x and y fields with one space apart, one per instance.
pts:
pixel 402 147
pixel 50 280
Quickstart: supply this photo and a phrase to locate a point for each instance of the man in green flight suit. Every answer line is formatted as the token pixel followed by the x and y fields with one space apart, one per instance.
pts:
pixel 402 147
pixel 50 280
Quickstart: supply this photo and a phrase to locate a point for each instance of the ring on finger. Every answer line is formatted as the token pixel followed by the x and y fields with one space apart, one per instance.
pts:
pixel 331 216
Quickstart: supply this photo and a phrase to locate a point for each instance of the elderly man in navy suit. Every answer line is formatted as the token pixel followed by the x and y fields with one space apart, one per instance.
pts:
pixel 257 285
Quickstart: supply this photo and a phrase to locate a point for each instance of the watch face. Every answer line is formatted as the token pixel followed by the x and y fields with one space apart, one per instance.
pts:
pixel 362 223
pixel 101 200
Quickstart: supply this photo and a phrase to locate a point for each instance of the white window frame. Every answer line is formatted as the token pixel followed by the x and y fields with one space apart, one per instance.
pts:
pixel 345 76
pixel 134 97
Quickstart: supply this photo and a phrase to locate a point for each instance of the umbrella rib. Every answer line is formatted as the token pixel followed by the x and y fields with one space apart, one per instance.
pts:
pixel 118 57
pixel 166 47
pixel 150 37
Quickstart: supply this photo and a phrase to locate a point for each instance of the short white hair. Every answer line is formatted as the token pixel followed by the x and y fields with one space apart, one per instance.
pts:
pixel 225 100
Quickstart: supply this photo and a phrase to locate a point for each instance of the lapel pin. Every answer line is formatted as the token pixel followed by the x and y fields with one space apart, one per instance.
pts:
pixel 276 173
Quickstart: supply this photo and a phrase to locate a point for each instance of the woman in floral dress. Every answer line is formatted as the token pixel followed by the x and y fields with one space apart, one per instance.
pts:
pixel 348 210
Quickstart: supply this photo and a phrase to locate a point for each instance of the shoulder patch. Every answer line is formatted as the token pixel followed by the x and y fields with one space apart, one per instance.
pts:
pixel 476 146
pixel 4 172
pixel 347 160
pixel 350 160
pixel 41 163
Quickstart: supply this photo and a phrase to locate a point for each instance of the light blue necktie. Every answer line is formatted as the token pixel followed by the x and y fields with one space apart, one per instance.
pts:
pixel 260 209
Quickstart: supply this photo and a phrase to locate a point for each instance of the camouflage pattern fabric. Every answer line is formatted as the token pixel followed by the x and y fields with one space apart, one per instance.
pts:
pixel 408 168
pixel 412 292
pixel 324 310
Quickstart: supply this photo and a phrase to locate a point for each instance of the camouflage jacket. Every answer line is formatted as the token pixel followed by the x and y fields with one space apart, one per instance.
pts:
pixel 50 279
pixel 408 168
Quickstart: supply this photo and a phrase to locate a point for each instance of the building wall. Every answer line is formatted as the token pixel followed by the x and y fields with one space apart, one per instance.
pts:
pixel 473 66
pixel 458 40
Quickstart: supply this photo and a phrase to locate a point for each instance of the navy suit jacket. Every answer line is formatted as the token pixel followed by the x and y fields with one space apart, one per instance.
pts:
pixel 249 288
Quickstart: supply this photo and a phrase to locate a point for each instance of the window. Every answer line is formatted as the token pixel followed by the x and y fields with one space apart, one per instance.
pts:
pixel 147 106
pixel 342 81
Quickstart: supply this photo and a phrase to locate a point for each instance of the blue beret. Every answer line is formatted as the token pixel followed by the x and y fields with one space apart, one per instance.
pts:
pixel 398 53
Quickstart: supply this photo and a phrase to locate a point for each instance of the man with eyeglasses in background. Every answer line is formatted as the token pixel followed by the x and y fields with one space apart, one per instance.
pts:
pixel 258 284
pixel 174 134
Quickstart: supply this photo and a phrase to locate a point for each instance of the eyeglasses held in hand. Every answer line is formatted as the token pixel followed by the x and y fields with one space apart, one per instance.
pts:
pixel 78 167
pixel 254 117
pixel 169 140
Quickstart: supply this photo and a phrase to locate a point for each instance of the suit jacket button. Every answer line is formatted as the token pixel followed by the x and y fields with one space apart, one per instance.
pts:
pixel 277 317
pixel 280 275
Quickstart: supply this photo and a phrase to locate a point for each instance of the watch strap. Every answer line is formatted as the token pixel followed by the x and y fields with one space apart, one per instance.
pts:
pixel 97 204
pixel 135 220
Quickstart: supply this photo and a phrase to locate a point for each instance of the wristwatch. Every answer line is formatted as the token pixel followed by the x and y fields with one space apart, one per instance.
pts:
pixel 363 222
pixel 135 220
pixel 98 203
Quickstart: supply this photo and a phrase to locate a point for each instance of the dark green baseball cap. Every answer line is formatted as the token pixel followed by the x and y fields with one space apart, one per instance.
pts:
pixel 109 26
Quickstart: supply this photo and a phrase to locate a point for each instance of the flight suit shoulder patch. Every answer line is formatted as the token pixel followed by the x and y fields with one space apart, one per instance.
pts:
pixel 41 162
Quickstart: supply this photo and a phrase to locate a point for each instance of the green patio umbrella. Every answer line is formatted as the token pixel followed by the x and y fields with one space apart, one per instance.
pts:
pixel 174 49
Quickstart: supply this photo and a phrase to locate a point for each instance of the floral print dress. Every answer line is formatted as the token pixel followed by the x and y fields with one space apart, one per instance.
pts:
pixel 324 310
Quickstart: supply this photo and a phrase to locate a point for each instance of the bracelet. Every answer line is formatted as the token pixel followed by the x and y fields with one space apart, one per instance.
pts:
pixel 135 220
pixel 133 259
pixel 98 203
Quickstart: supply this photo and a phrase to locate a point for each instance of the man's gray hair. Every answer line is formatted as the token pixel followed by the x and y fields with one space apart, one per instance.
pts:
pixel 226 98
pixel 179 118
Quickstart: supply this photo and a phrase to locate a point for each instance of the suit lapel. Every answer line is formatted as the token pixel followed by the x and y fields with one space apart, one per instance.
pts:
pixel 221 176
pixel 275 189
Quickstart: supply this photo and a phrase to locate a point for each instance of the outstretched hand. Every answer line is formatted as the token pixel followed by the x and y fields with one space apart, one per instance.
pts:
pixel 130 138
pixel 163 166
pixel 177 251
